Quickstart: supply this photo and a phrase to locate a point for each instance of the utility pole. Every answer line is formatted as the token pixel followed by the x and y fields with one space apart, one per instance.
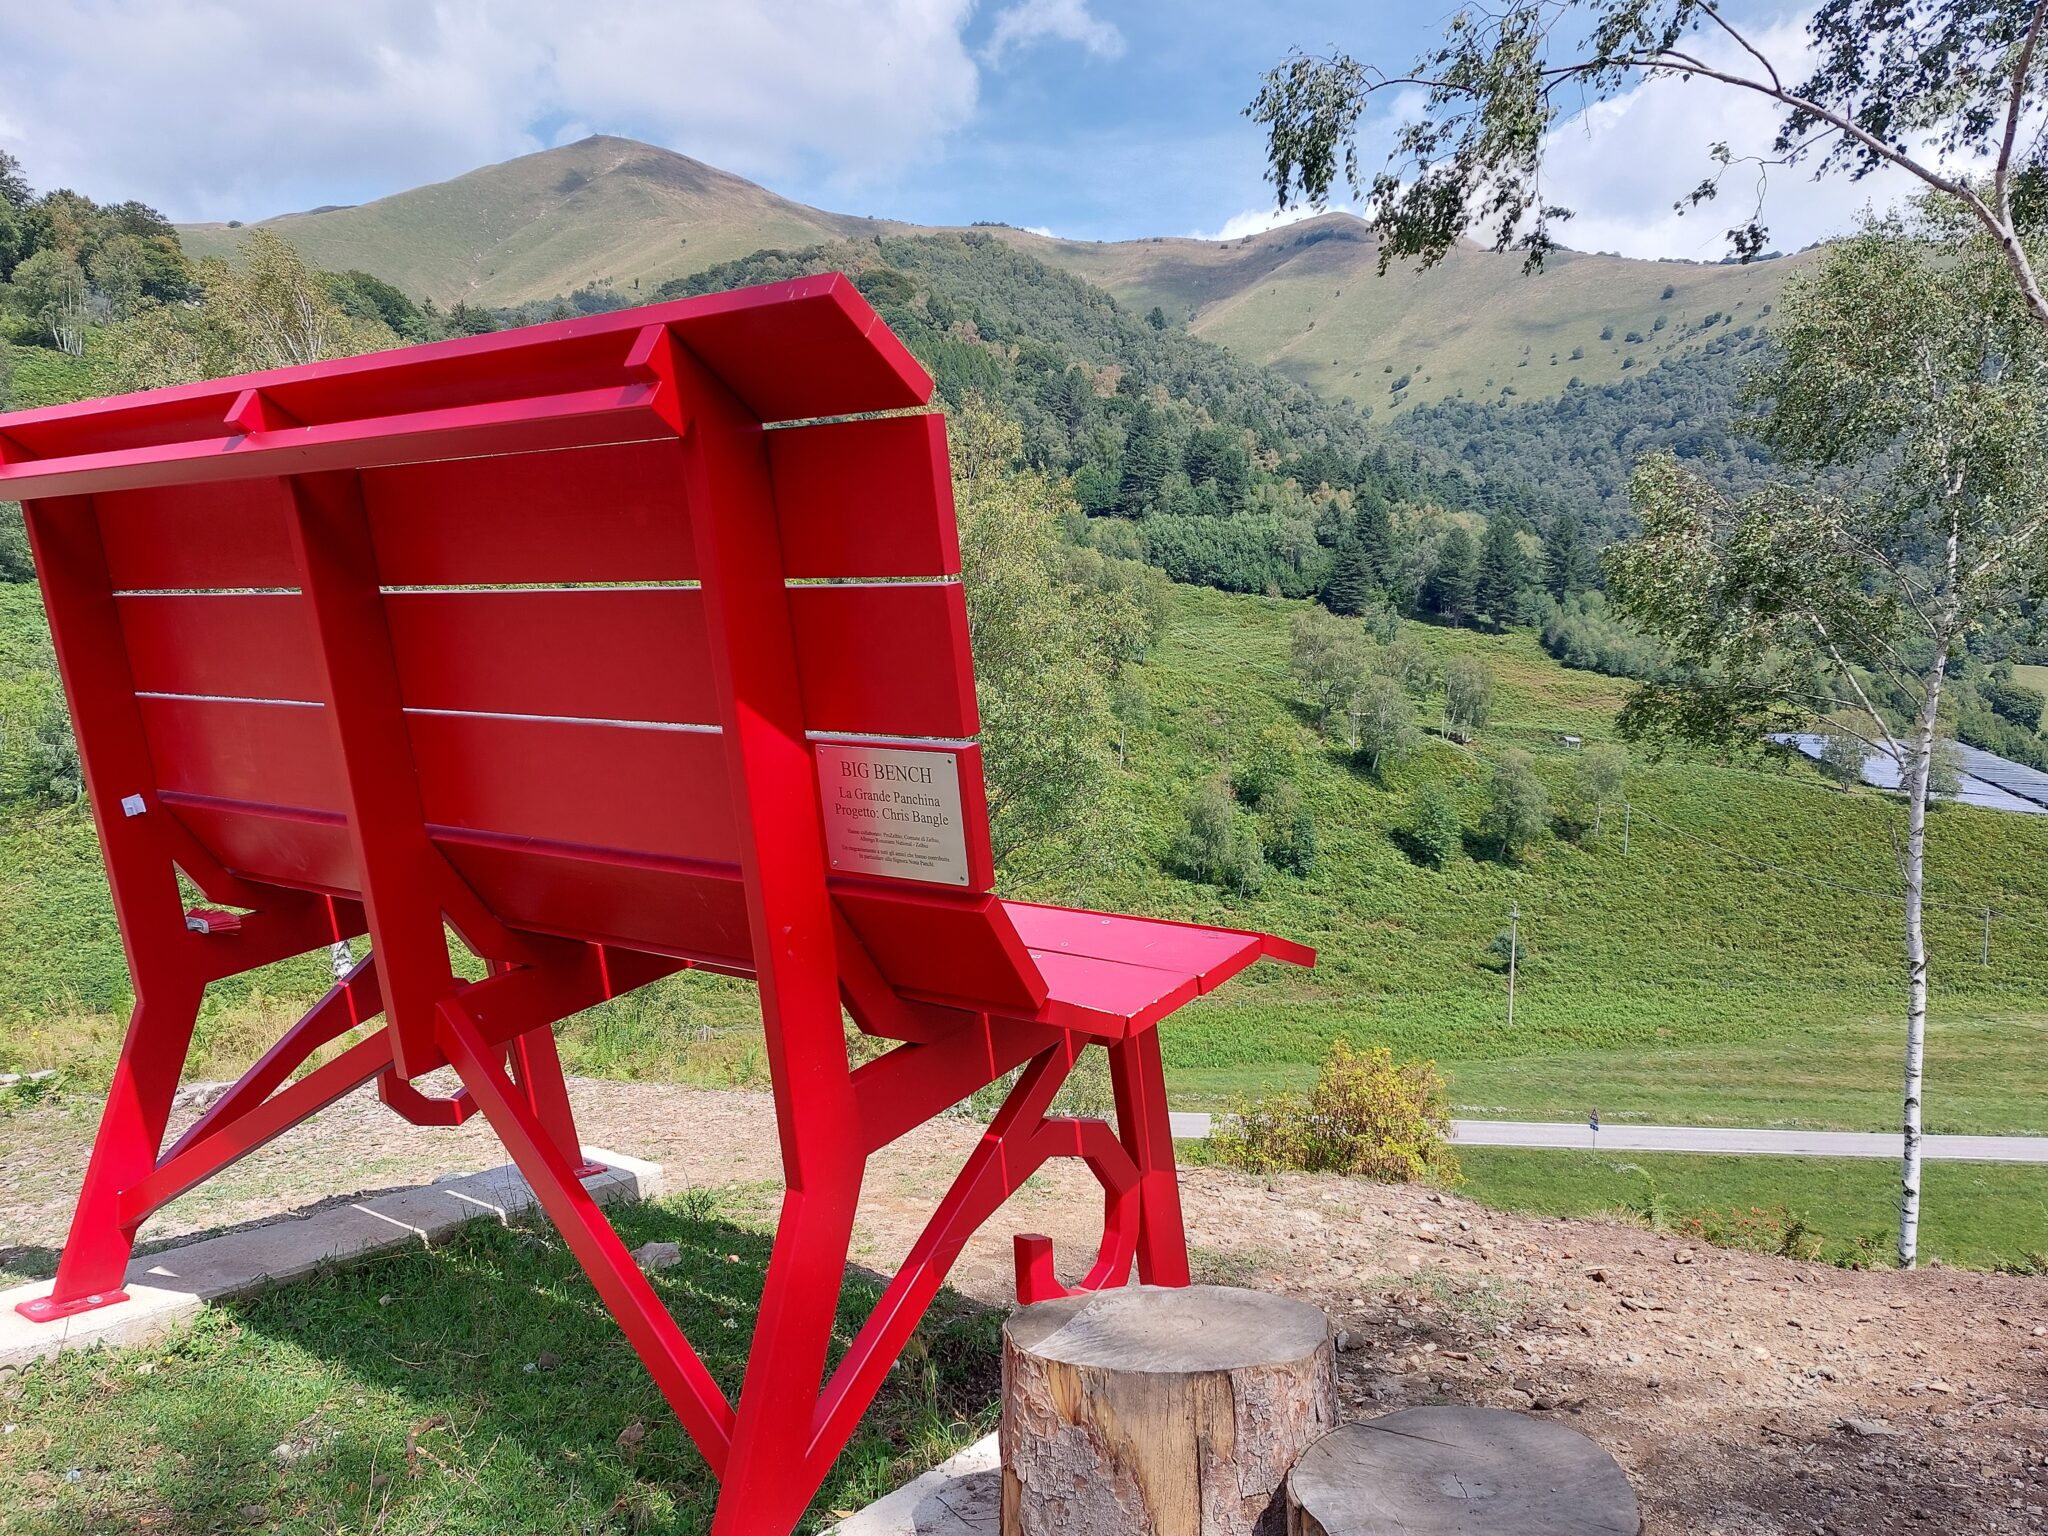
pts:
pixel 1514 950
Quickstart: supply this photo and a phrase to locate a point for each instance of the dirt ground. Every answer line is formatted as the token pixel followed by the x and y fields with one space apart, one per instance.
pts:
pixel 1744 1395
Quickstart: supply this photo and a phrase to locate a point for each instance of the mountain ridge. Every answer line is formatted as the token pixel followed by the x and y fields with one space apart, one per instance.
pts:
pixel 1305 298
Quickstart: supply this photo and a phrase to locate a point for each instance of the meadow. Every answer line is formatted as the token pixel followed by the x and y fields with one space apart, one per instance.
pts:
pixel 1735 963
pixel 1843 1210
pixel 478 1387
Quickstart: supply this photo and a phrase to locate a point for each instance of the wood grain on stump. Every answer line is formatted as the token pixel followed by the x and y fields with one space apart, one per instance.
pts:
pixel 1459 1472
pixel 1146 1411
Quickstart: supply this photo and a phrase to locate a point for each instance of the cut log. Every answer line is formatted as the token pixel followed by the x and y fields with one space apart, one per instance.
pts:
pixel 1459 1472
pixel 1146 1411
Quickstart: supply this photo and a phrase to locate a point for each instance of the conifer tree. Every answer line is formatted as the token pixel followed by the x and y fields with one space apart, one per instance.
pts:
pixel 1567 560
pixel 1349 588
pixel 1503 570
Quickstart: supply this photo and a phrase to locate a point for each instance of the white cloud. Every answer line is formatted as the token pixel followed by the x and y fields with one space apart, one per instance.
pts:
pixel 1068 21
pixel 1622 163
pixel 243 108
pixel 1256 221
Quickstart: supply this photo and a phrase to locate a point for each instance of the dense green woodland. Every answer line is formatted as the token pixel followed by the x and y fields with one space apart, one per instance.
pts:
pixel 1582 446
pixel 1220 473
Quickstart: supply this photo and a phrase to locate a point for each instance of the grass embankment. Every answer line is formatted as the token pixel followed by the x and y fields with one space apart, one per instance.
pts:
pixel 1708 974
pixel 1981 1215
pixel 477 1388
pixel 1726 969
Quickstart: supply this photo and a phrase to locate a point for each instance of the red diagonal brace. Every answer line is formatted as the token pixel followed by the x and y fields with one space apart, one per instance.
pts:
pixel 692 1394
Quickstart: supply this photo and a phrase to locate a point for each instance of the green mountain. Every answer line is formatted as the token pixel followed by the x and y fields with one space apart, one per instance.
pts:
pixel 1310 301
pixel 603 212
pixel 1306 299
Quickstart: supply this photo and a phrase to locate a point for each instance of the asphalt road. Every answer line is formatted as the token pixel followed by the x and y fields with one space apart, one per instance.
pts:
pixel 1712 1139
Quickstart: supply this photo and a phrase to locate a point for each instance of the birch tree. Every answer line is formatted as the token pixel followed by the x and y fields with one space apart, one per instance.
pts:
pixel 1948 93
pixel 1909 353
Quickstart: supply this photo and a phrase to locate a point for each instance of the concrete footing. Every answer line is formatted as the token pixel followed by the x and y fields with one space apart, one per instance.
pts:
pixel 960 1497
pixel 168 1286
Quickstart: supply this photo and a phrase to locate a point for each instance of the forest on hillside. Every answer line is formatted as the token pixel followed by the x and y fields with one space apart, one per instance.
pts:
pixel 1218 472
pixel 1582 445
pixel 1170 450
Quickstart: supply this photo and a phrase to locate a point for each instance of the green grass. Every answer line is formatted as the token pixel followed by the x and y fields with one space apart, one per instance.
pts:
pixel 1310 301
pixel 1704 976
pixel 1981 1215
pixel 477 1388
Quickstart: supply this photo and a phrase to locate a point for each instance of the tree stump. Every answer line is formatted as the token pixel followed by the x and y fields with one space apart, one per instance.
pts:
pixel 1459 1472
pixel 1146 1411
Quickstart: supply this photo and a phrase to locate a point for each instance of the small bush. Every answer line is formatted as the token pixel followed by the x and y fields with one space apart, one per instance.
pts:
pixel 1368 1116
pixel 1517 807
pixel 1507 946
pixel 1773 1230
pixel 1220 844
pixel 1287 832
pixel 1435 830
pixel 1267 767
pixel 2013 701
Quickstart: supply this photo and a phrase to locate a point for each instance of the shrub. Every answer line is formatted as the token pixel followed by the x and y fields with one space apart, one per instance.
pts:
pixel 1508 946
pixel 1468 698
pixel 1775 1230
pixel 2012 700
pixel 1367 1115
pixel 1517 807
pixel 1288 832
pixel 1435 830
pixel 1220 844
pixel 1267 766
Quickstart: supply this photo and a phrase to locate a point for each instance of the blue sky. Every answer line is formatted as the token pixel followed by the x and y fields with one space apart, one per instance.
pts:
pixel 1096 119
pixel 1145 136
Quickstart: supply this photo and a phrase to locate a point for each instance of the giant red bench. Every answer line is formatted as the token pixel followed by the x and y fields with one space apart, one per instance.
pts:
pixel 597 644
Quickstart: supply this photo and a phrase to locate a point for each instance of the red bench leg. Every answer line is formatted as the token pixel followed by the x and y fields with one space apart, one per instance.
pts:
pixel 1140 1083
pixel 537 1068
pixel 695 1398
pixel 95 1260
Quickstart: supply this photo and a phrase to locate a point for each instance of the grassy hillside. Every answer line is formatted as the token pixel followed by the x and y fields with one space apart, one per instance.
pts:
pixel 1696 977
pixel 1305 299
pixel 600 211
pixel 1308 300
pixel 1707 974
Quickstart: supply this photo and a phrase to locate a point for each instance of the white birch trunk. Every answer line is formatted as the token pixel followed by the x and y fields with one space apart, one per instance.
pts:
pixel 1914 871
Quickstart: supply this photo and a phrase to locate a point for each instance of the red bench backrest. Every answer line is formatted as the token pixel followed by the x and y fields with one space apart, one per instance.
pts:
pixel 549 635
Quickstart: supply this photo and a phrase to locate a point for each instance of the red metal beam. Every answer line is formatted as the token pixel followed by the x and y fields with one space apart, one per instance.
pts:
pixel 266 1122
pixel 691 1393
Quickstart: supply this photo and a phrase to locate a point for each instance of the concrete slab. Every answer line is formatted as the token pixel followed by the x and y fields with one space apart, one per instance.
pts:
pixel 960 1497
pixel 167 1287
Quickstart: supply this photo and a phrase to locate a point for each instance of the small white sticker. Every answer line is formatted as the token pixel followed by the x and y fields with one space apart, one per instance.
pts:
pixel 131 805
pixel 893 811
